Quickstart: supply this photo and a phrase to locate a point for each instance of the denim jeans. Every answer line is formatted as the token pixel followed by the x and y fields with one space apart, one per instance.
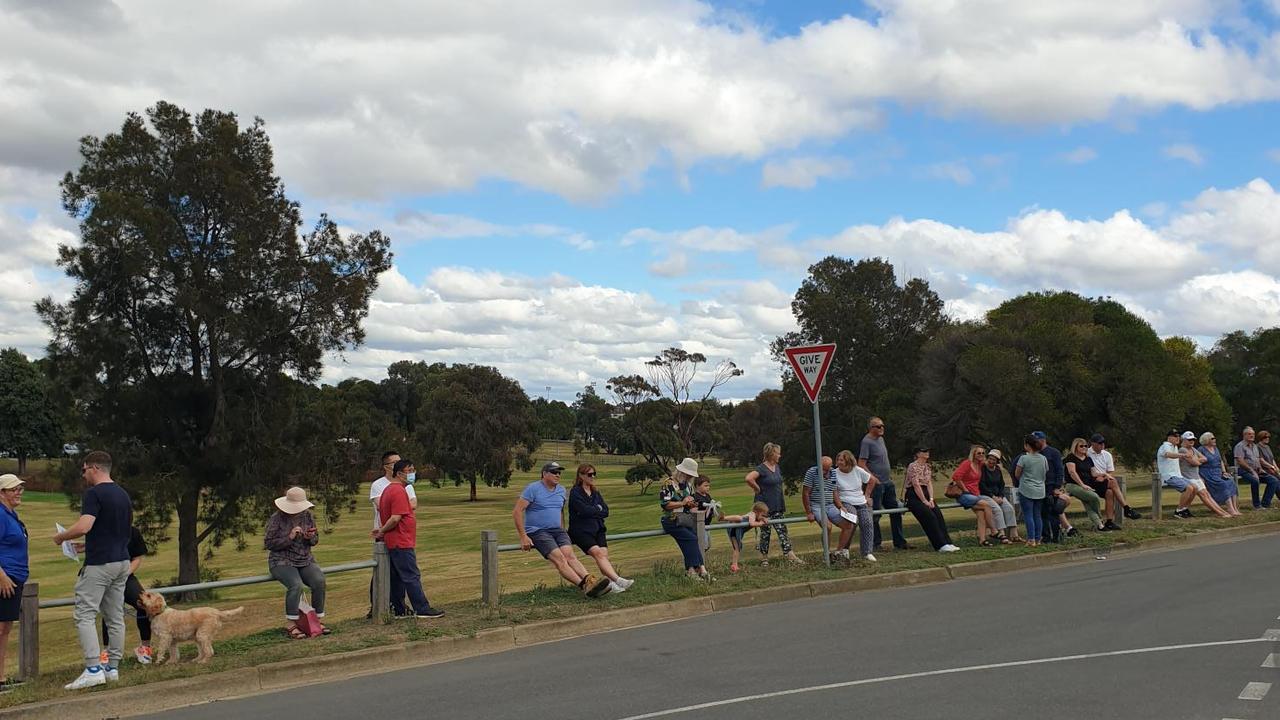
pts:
pixel 687 539
pixel 293 578
pixel 406 580
pixel 1031 515
pixel 885 497
pixel 1271 481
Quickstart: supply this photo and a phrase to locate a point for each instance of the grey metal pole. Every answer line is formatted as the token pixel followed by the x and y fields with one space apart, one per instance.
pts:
pixel 489 567
pixel 381 582
pixel 820 486
pixel 29 632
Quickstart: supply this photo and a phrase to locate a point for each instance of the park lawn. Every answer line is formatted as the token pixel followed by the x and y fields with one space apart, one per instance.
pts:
pixel 449 528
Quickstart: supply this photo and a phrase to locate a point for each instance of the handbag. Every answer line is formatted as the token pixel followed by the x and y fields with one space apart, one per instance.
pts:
pixel 954 490
pixel 308 620
pixel 686 520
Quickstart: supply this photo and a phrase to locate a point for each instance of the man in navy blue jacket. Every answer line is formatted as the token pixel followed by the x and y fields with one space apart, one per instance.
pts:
pixel 1052 482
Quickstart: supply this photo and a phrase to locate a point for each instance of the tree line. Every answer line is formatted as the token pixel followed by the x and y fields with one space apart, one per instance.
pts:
pixel 192 349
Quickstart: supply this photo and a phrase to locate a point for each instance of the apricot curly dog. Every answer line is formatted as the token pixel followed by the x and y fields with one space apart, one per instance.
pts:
pixel 169 626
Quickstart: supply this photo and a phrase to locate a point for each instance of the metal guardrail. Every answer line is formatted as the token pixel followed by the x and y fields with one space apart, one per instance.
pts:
pixel 29 614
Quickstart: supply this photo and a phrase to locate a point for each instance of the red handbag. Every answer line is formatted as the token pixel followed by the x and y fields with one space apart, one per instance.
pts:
pixel 308 620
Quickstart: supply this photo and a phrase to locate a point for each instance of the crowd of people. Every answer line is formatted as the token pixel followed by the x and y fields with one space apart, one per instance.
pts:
pixel 1038 484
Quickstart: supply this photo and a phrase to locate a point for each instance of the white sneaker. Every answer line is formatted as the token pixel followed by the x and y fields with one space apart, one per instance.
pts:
pixel 87 679
pixel 112 675
pixel 869 557
pixel 624 583
pixel 843 553
pixel 948 548
pixel 615 588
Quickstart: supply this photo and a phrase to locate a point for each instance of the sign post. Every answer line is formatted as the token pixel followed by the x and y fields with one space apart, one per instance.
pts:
pixel 811 363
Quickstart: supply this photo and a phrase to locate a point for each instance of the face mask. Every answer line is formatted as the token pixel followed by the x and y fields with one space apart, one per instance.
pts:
pixel 408 479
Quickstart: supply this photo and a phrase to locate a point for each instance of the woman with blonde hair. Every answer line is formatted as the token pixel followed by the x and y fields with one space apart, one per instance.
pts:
pixel 968 475
pixel 766 481
pixel 587 512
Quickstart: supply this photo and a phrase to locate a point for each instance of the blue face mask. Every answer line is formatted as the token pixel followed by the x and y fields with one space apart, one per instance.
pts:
pixel 408 479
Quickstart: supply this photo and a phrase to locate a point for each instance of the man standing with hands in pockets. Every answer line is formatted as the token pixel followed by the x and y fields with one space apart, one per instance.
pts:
pixel 106 520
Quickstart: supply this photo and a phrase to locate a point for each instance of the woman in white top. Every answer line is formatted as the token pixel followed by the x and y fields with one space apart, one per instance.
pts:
pixel 850 481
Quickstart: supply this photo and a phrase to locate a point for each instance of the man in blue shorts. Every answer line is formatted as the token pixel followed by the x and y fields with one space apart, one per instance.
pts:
pixel 539 518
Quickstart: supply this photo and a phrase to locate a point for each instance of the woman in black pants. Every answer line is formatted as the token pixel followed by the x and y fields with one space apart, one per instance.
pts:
pixel 919 498
pixel 132 591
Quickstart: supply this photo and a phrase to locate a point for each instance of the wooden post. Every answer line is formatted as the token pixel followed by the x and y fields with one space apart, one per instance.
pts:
pixel 381 583
pixel 29 632
pixel 1157 512
pixel 1119 521
pixel 489 592
pixel 704 539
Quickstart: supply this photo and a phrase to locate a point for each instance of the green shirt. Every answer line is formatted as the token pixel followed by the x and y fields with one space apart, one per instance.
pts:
pixel 1034 469
pixel 673 492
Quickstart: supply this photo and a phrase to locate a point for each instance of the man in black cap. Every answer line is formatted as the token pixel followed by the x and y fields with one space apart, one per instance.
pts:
pixel 539 518
pixel 1053 481
pixel 1104 473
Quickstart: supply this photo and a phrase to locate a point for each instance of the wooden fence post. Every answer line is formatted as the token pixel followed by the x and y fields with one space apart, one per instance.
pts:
pixel 29 632
pixel 381 583
pixel 1157 512
pixel 489 568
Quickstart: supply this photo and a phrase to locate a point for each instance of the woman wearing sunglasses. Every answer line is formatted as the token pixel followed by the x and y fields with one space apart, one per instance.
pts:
pixel 587 511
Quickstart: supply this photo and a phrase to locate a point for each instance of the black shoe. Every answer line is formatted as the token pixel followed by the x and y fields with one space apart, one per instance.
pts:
pixel 1131 513
pixel 431 614
pixel 1184 513
pixel 1072 532
pixel 903 547
pixel 1110 526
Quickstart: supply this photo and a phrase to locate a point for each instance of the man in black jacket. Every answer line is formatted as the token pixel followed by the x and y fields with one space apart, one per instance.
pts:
pixel 1054 479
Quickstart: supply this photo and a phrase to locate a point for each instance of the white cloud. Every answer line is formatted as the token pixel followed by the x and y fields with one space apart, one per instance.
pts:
pixel 803 173
pixel 957 172
pixel 704 238
pixel 1185 152
pixel 676 264
pixel 1079 156
pixel 581 98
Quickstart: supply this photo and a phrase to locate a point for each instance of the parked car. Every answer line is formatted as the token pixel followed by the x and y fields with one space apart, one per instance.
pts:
pixel 70 449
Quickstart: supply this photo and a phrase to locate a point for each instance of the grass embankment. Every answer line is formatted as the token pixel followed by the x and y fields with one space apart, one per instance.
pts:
pixel 449 554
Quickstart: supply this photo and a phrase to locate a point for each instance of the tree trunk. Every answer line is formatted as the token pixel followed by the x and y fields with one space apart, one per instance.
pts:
pixel 22 464
pixel 473 490
pixel 188 542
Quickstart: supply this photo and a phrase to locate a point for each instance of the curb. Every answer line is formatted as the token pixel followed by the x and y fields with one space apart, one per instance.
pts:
pixel 242 682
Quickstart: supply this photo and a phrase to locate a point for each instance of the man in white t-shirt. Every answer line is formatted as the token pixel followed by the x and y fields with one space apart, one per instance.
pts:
pixel 1171 473
pixel 389 460
pixel 1104 471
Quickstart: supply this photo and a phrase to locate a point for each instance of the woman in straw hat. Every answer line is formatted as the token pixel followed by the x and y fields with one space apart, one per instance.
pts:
pixel 13 564
pixel 290 535
pixel 678 503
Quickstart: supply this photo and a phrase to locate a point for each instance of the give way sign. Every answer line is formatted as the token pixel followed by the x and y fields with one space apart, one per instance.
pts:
pixel 810 363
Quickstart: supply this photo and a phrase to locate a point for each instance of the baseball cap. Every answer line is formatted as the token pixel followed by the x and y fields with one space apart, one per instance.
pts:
pixel 553 467
pixel 1097 438
pixel 9 481
pixel 1039 435
pixel 1172 433
pixel 995 454
pixel 1188 435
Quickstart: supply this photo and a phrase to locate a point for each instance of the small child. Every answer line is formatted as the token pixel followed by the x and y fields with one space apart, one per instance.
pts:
pixel 758 517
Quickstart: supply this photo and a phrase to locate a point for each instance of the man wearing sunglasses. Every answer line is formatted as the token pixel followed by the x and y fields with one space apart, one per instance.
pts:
pixel 539 519
pixel 873 457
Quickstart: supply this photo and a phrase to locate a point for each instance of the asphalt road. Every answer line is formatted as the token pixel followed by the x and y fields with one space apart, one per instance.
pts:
pixel 1208 594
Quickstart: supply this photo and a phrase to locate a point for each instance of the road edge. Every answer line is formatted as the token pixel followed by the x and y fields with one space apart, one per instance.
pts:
pixel 246 682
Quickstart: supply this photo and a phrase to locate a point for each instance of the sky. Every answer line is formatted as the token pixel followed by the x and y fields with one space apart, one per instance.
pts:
pixel 572 186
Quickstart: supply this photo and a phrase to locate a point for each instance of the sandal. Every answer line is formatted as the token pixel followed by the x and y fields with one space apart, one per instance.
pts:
pixel 986 543
pixel 295 633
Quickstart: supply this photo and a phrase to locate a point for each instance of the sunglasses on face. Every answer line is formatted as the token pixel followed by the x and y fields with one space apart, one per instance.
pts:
pixel 589 474
pixel 877 427
pixel 555 472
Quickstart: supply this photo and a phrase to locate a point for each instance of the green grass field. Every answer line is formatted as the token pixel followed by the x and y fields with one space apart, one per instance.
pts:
pixel 448 543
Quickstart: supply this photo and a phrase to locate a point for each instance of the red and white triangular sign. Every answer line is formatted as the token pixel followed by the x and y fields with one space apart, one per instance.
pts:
pixel 811 363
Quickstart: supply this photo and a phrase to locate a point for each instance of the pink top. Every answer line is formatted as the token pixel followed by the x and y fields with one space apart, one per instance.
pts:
pixel 968 476
pixel 921 478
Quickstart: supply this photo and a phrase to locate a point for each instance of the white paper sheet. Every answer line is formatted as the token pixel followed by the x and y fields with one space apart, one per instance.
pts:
pixel 68 548
pixel 851 517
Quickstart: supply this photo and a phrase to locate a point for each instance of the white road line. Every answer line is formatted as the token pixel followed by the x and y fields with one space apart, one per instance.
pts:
pixel 929 673
pixel 1255 691
pixel 1273 660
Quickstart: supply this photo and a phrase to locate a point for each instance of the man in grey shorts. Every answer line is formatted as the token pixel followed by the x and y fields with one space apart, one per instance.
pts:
pixel 106 519
pixel 539 519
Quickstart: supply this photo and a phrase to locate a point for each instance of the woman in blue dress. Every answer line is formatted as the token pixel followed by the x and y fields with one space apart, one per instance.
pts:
pixel 1221 488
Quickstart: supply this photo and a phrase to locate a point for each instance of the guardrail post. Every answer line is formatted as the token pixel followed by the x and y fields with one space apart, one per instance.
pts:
pixel 29 632
pixel 704 537
pixel 1124 490
pixel 489 567
pixel 381 582
pixel 1157 512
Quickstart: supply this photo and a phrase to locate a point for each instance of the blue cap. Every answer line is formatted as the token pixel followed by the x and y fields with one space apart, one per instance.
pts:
pixel 1039 435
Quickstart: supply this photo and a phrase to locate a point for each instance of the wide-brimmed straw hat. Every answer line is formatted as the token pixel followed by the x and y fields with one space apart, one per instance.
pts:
pixel 294 501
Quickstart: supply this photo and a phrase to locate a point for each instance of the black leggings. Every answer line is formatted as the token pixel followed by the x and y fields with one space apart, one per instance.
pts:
pixel 930 518
pixel 132 591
